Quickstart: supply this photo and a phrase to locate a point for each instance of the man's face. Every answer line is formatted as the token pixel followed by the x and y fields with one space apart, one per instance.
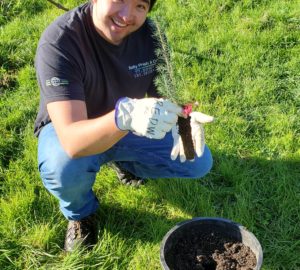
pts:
pixel 115 19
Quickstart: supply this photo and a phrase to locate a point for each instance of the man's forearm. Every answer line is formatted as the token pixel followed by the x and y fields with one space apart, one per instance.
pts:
pixel 91 136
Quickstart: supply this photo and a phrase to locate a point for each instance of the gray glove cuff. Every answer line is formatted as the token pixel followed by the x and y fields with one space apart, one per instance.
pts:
pixel 123 109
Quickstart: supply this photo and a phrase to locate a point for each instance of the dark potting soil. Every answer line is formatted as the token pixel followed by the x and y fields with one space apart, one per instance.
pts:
pixel 211 252
pixel 185 132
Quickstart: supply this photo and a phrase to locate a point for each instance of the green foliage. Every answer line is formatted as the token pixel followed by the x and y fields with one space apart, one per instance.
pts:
pixel 240 61
pixel 168 81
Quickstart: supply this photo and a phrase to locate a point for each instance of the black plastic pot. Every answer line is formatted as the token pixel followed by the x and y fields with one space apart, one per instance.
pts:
pixel 228 228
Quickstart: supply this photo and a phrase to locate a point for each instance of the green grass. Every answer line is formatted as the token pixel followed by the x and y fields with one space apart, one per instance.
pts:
pixel 240 59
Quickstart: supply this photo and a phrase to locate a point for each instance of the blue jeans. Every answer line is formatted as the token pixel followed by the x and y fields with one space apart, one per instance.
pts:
pixel 71 180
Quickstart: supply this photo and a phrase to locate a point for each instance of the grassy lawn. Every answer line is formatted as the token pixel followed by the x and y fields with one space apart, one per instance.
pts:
pixel 241 61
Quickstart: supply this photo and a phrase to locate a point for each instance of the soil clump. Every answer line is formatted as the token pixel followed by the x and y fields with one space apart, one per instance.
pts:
pixel 185 131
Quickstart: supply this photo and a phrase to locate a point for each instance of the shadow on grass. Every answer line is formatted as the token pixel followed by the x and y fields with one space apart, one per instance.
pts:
pixel 135 224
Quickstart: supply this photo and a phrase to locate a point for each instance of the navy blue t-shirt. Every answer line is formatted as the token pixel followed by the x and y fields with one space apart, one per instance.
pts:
pixel 73 62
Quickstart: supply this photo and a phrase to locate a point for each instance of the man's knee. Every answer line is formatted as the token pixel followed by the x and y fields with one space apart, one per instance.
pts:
pixel 61 172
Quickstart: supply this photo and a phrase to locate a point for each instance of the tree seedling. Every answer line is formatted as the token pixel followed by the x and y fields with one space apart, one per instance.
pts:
pixel 169 87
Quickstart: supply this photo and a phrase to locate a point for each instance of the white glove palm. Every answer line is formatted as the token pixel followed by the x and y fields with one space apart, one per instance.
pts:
pixel 149 117
pixel 197 130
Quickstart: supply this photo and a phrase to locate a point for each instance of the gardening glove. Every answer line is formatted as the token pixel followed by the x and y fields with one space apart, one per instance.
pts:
pixel 149 117
pixel 197 121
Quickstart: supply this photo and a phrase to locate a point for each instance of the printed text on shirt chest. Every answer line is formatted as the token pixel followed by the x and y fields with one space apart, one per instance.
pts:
pixel 142 69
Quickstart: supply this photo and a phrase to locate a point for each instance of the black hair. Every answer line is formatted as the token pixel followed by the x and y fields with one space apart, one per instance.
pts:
pixel 152 2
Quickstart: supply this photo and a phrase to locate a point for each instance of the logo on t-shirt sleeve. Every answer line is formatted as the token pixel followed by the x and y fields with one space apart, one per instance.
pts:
pixel 54 81
pixel 142 69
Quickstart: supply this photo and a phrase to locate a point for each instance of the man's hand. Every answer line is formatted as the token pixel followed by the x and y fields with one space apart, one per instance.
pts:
pixel 149 117
pixel 197 119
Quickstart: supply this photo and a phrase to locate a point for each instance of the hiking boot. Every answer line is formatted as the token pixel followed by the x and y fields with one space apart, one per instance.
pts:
pixel 81 233
pixel 126 177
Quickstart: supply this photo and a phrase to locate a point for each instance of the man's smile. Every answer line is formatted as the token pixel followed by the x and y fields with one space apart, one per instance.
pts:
pixel 119 23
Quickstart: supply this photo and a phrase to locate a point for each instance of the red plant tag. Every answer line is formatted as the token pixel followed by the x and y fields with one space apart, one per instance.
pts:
pixel 187 109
